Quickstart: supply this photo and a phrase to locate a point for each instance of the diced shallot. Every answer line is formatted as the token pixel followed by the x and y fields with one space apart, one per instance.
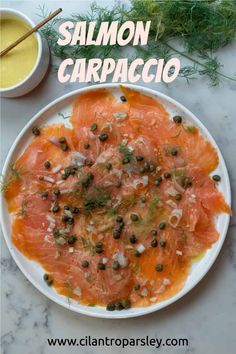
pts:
pixel 171 203
pixel 121 259
pixel 175 217
pixel 92 229
pixel 77 291
pixel 104 260
pixel 144 292
pixel 140 181
pixel 56 168
pixel 179 253
pixel 48 179
pixel 77 158
pixel 140 248
pixel 172 191
pixel 50 219
pixel 54 141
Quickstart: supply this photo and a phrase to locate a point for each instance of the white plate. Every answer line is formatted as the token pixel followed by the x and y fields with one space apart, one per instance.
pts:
pixel 34 272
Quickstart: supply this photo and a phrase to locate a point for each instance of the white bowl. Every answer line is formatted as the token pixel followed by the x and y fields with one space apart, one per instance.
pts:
pixel 34 272
pixel 41 65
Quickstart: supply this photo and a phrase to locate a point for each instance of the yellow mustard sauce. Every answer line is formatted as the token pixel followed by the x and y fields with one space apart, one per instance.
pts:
pixel 18 62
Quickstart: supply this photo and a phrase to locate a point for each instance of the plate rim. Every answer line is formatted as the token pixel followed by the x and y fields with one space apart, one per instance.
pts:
pixel 138 311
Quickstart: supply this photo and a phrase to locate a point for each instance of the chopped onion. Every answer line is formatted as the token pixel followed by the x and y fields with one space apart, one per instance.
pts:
pixel 77 291
pixel 140 248
pixel 171 203
pixel 71 249
pixel 143 181
pixel 104 260
pixel 161 289
pixel 153 299
pixel 121 259
pixel 60 182
pixel 117 172
pixel 91 135
pixel 78 158
pixel 175 217
pixel 66 191
pixel 56 168
pixel 54 141
pixel 48 179
pixel 118 198
pixel 91 229
pixel 172 191
pixel 178 187
pixel 179 253
pixel 50 219
pixel 144 292
pixel 120 116
pixel 108 125
pixel 68 213
pixel 166 281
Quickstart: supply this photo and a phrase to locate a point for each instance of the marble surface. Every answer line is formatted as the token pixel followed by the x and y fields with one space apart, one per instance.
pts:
pixel 206 316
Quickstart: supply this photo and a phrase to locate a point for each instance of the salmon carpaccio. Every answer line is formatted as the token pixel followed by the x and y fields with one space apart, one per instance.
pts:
pixel 116 208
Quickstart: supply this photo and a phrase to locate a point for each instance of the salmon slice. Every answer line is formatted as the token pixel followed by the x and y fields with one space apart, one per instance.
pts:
pixel 118 215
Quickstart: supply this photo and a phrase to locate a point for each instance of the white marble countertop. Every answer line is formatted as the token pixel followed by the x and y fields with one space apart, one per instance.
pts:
pixel 206 316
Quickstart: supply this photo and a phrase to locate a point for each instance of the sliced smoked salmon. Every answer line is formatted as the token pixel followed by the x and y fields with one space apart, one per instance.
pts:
pixel 116 208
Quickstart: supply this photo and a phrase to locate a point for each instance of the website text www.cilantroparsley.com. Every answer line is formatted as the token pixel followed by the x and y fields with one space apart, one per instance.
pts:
pixel 89 341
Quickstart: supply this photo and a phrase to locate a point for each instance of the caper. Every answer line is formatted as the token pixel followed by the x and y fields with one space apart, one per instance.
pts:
pixel 111 307
pixel 108 166
pixel 137 253
pixel 45 276
pixel 116 233
pixel 139 158
pixel 167 175
pixel 134 217
pixel 57 192
pixel 159 267
pixel 154 243
pixel 62 140
pixel 103 137
pixel 36 131
pixel 85 264
pixel 186 182
pixel 119 218
pixel 158 181
pixel 72 239
pixel 136 287
pixel 118 184
pixel 44 195
pixel 126 160
pixel 177 119
pixel 47 164
pixel 163 243
pixel 123 99
pixel 86 146
pixel 126 303
pixel 70 221
pixel 66 207
pixel 133 239
pixel 64 147
pixel 101 266
pixel 162 225
pixel 146 166
pixel 143 199
pixel 75 210
pixel 174 151
pixel 49 282
pixel 93 127
pixel 154 232
pixel 116 265
pixel 216 178
pixel 178 196
pixel 152 168
pixel 56 233
pixel 56 208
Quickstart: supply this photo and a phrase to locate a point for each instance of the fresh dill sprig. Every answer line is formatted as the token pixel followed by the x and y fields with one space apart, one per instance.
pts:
pixel 201 27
